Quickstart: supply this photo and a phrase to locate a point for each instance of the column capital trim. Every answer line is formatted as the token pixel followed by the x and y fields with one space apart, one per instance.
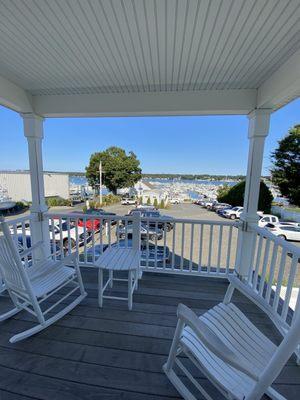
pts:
pixel 259 122
pixel 33 125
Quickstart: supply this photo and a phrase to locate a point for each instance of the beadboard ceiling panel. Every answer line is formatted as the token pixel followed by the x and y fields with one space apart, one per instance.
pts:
pixel 129 46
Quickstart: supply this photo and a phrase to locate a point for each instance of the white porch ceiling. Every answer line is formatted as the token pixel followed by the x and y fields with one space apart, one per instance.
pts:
pixel 116 46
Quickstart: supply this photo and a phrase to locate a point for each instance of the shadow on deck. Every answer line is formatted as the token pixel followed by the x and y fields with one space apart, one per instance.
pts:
pixel 112 353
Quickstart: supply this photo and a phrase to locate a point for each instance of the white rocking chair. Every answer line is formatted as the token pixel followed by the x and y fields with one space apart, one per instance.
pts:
pixel 28 287
pixel 229 350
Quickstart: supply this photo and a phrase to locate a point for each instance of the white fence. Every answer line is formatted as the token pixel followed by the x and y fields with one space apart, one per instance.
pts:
pixel 182 246
pixel 176 245
pixel 274 279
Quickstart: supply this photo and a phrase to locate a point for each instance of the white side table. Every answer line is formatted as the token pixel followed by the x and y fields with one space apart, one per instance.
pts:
pixel 118 259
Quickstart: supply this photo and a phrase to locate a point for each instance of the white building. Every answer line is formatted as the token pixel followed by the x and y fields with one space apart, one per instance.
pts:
pixel 18 187
pixel 146 191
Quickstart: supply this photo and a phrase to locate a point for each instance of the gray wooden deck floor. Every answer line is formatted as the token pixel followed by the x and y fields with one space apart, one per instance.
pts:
pixel 112 353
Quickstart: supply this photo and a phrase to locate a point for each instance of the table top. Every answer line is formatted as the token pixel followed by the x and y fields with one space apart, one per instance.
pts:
pixel 121 259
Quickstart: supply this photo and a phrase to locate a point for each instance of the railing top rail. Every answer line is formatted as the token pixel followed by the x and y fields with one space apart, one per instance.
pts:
pixel 18 220
pixel 289 247
pixel 130 217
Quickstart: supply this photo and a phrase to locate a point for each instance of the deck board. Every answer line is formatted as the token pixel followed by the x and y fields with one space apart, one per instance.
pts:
pixel 113 353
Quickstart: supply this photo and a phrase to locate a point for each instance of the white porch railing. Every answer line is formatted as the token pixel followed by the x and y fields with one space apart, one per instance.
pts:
pixel 190 247
pixel 274 278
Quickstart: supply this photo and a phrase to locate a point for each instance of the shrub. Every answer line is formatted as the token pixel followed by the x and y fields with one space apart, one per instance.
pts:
pixel 57 202
pixel 235 196
pixel 162 204
pixel 155 203
pixel 148 201
pixel 18 208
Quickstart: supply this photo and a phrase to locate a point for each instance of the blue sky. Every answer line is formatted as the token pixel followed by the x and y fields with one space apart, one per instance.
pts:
pixel 206 144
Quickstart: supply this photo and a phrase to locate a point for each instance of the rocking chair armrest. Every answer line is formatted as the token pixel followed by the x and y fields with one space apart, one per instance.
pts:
pixel 30 249
pixel 213 342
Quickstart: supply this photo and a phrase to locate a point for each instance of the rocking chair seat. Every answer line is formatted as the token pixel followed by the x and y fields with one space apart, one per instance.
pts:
pixel 51 276
pixel 241 336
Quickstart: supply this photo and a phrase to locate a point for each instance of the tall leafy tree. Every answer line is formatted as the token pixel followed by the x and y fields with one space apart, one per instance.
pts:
pixel 286 165
pixel 120 170
pixel 235 196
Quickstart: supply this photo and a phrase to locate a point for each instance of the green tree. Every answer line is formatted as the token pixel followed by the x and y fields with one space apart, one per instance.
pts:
pixel 222 191
pixel 162 204
pixel 286 166
pixel 119 169
pixel 155 203
pixel 235 196
pixel 148 201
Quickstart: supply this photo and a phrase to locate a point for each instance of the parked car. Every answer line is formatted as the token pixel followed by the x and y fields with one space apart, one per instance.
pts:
pixel 102 214
pixel 221 211
pixel 153 234
pixel 25 244
pixel 145 207
pixel 266 219
pixel 152 253
pixel 174 201
pixel 210 204
pixel 220 206
pixel 164 220
pixel 90 224
pixel 128 202
pixel 63 232
pixel 233 213
pixel 285 231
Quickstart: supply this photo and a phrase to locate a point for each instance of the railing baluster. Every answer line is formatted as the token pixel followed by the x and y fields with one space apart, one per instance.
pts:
pixel 165 245
pixel 211 229
pixel 101 235
pixel 191 247
pixel 69 236
pixel 109 232
pixel 155 255
pixel 264 268
pixel 200 247
pixel 289 287
pixel 93 230
pixel 272 272
pixel 220 249
pixel 147 243
pixel 54 240
pixel 173 246
pixel 182 246
pixel 257 264
pixel 279 280
pixel 229 249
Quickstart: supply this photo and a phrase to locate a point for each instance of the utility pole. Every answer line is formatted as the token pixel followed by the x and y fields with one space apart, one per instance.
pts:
pixel 100 181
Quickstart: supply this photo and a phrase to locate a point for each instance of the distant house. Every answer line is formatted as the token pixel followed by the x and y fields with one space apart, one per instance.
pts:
pixel 144 191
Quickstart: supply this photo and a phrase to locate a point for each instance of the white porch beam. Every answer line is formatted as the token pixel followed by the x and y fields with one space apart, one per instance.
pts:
pixel 138 104
pixel 259 121
pixel 283 86
pixel 14 97
pixel 33 130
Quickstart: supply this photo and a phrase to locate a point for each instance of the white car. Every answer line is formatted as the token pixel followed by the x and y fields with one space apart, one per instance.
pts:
pixel 128 202
pixel 174 201
pixel 267 219
pixel 287 232
pixel 60 233
pixel 233 213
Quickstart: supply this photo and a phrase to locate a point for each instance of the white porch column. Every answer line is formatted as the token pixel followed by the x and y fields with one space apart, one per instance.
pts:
pixel 258 130
pixel 33 131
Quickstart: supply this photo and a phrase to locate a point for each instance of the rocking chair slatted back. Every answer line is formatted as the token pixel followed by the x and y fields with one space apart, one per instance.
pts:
pixel 11 267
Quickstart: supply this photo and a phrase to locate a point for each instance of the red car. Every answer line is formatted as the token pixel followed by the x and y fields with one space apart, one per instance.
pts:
pixel 90 224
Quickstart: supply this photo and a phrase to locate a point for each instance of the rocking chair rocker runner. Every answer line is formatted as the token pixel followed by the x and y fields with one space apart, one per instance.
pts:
pixel 229 350
pixel 28 287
